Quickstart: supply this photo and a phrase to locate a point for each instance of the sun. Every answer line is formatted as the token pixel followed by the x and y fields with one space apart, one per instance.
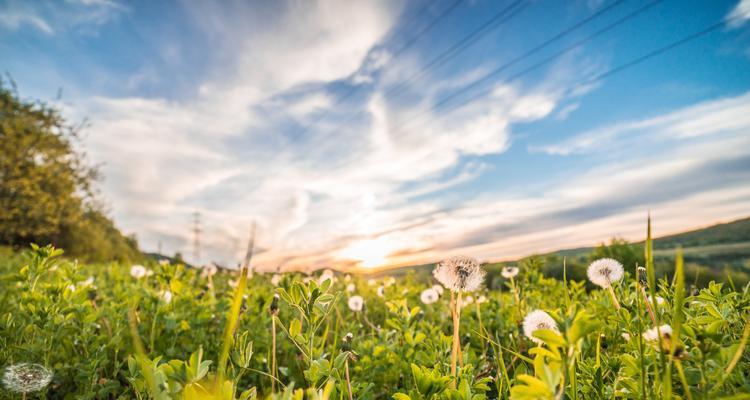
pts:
pixel 370 253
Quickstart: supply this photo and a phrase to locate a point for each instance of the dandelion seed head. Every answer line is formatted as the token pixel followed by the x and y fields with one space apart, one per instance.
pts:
pixel 535 321
pixel 651 335
pixel 276 279
pixel 26 377
pixel 509 272
pixel 351 288
pixel 429 296
pixel 660 301
pixel 166 296
pixel 381 291
pixel 439 289
pixel 467 300
pixel 481 299
pixel 209 270
pixel 327 275
pixel 460 273
pixel 138 271
pixel 626 336
pixel 605 271
pixel 356 303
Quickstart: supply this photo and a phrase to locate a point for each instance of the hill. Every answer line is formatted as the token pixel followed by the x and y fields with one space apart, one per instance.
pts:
pixel 714 252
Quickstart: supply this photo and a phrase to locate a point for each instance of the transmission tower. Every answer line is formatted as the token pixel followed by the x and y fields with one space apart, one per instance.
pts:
pixel 197 239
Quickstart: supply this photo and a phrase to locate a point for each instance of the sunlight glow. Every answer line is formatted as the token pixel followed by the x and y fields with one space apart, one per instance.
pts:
pixel 370 253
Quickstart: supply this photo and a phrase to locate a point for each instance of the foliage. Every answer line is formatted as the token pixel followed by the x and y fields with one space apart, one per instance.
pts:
pixel 116 336
pixel 46 185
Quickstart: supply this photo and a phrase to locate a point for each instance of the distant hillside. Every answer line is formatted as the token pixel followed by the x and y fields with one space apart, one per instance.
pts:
pixel 707 251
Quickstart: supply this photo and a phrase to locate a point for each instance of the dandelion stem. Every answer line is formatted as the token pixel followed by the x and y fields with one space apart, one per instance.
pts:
pixel 456 313
pixel 348 381
pixel 273 354
pixel 611 291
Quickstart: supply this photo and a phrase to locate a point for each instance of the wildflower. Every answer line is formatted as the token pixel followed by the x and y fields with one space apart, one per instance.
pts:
pixel 438 288
pixel 659 300
pixel 481 299
pixel 209 270
pixel 166 296
pixel 460 273
pixel 274 307
pixel 467 300
pixel 389 281
pixel 26 377
pixel 88 282
pixel 371 282
pixel 351 288
pixel 276 279
pixel 327 275
pixel 72 288
pixel 626 336
pixel 652 335
pixel 535 321
pixel 138 271
pixel 381 291
pixel 604 271
pixel 429 296
pixel 509 272
pixel 356 303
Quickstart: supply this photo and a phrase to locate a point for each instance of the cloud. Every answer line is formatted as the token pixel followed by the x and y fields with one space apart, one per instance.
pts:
pixel 739 14
pixel 86 16
pixel 708 118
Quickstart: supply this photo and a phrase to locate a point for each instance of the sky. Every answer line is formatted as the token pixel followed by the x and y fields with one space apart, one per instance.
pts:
pixel 384 133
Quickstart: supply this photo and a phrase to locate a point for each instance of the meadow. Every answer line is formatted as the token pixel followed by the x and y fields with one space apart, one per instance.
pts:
pixel 161 330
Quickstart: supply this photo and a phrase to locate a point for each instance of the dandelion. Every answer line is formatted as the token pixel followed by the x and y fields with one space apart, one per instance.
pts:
pixel 276 279
pixel 659 300
pixel 88 282
pixel 603 272
pixel 652 335
pixel 138 271
pixel 438 288
pixel 460 274
pixel 371 282
pixel 481 299
pixel 429 296
pixel 467 301
pixel 626 336
pixel 535 321
pixel 509 272
pixel 209 270
pixel 351 288
pixel 389 281
pixel 166 296
pixel 233 283
pixel 356 303
pixel 381 291
pixel 26 378
pixel 327 275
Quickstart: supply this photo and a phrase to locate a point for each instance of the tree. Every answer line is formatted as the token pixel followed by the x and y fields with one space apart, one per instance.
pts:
pixel 46 193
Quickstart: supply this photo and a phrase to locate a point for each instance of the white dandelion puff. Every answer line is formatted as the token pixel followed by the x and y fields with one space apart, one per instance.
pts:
pixel 605 271
pixel 209 270
pixel 626 336
pixel 467 300
pixel 481 299
pixel 276 279
pixel 429 296
pixel 138 271
pixel 660 301
pixel 351 288
pixel 389 281
pixel 327 275
pixel 381 291
pixel 371 282
pixel 651 335
pixel 356 303
pixel 535 321
pixel 88 282
pixel 439 289
pixel 460 273
pixel 509 272
pixel 166 296
pixel 26 377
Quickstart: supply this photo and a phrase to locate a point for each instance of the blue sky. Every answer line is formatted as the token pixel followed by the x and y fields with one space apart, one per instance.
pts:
pixel 353 137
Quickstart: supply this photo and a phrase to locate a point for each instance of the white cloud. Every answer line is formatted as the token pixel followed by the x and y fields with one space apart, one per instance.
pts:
pixel 739 14
pixel 51 17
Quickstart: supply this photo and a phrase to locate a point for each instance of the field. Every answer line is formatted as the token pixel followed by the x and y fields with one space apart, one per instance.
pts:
pixel 169 331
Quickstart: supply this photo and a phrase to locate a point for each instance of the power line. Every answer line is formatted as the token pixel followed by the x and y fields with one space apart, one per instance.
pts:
pixel 454 50
pixel 403 48
pixel 525 71
pixel 464 43
pixel 645 57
